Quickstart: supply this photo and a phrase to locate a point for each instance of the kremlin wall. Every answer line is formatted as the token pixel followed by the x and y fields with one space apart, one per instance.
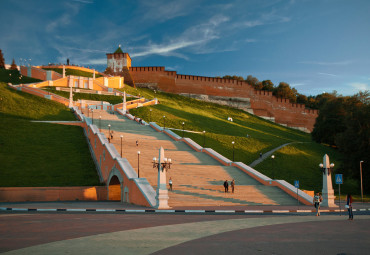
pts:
pixel 234 93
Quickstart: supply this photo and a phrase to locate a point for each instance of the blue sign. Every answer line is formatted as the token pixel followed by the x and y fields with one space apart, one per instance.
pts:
pixel 296 184
pixel 338 179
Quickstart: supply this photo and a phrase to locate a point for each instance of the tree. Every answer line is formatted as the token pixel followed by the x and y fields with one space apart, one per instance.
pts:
pixel 344 122
pixel 253 81
pixel 285 91
pixel 267 85
pixel 2 61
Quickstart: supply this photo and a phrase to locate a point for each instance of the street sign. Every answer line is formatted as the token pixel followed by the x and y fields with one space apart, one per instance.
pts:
pixel 338 179
pixel 296 184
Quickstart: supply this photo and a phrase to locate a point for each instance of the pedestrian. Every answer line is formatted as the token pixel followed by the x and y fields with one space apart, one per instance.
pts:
pixel 137 143
pixel 316 201
pixel 170 182
pixel 260 154
pixel 111 135
pixel 232 185
pixel 349 207
pixel 226 186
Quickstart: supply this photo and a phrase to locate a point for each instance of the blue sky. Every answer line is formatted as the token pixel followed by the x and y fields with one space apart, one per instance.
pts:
pixel 314 45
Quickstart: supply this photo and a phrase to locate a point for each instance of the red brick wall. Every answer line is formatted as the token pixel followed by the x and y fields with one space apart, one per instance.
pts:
pixel 263 103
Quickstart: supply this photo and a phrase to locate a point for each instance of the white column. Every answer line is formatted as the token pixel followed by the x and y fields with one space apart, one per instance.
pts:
pixel 162 192
pixel 94 75
pixel 327 186
pixel 70 98
pixel 124 103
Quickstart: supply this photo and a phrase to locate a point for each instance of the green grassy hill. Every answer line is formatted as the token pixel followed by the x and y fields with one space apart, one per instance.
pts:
pixel 41 154
pixel 87 96
pixel 74 72
pixel 14 77
pixel 252 135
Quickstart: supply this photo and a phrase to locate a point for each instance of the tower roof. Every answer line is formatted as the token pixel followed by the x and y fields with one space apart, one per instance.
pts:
pixel 119 50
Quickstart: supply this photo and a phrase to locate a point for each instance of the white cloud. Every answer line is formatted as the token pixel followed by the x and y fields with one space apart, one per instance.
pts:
pixel 323 63
pixel 198 35
pixel 65 19
pixel 360 86
pixel 328 74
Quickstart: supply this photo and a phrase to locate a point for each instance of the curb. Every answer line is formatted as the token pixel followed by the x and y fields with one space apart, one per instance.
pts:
pixel 172 211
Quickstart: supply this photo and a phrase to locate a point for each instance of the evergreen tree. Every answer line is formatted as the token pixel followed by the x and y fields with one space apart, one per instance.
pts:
pixel 2 61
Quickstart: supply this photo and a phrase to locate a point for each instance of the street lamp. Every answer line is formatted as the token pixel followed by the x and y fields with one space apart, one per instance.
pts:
pixel 233 150
pixel 92 112
pixel 183 124
pixel 138 164
pixel 121 145
pixel 166 164
pixel 273 172
pixel 150 115
pixel 204 138
pixel 164 122
pixel 109 133
pixel 99 123
pixel 321 165
pixel 362 193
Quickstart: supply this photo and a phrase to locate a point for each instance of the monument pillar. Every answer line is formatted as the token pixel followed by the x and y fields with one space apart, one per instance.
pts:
pixel 94 75
pixel 327 186
pixel 162 192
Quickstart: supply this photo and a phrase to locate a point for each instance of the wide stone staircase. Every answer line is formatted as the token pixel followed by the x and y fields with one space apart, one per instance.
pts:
pixel 197 178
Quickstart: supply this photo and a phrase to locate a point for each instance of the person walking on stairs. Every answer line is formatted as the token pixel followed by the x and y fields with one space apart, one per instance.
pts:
pixel 170 182
pixel 232 185
pixel 226 186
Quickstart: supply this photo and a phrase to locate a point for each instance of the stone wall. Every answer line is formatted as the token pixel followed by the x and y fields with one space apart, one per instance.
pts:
pixel 227 92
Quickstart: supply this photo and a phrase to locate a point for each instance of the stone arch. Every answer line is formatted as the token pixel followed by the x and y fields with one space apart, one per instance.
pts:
pixel 115 185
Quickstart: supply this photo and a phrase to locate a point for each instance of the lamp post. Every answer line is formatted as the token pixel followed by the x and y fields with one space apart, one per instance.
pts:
pixel 204 138
pixel 362 193
pixel 99 123
pixel 164 122
pixel 92 114
pixel 233 150
pixel 150 115
pixel 121 145
pixel 273 172
pixel 165 165
pixel 109 133
pixel 183 124
pixel 138 164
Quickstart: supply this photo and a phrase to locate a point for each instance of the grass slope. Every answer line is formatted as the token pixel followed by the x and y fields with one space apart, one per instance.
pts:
pixel 86 96
pixel 41 154
pixel 74 72
pixel 14 77
pixel 298 161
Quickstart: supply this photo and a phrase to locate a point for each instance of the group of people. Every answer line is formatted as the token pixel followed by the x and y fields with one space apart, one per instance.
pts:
pixel 226 186
pixel 317 200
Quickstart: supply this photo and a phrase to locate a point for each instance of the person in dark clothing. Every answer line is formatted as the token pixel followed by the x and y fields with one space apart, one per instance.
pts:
pixel 226 186
pixel 349 207
pixel 232 185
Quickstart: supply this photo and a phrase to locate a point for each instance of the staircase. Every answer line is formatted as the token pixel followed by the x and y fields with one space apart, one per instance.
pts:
pixel 197 178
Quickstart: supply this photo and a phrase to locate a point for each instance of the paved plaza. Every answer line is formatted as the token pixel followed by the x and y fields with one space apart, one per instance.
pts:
pixel 166 233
